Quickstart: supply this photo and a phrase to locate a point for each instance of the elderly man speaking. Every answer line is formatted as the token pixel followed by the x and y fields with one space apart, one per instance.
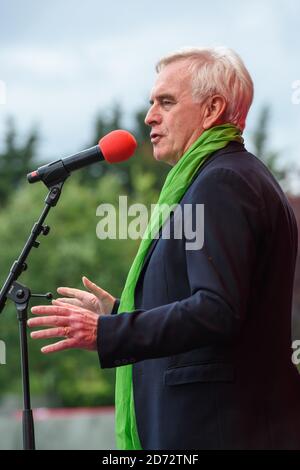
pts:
pixel 201 338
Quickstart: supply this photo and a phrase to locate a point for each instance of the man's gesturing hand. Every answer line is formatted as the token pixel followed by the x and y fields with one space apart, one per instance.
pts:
pixel 74 317
pixel 76 324
pixel 97 300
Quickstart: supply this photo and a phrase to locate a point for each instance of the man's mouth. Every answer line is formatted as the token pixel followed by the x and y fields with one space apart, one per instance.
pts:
pixel 155 137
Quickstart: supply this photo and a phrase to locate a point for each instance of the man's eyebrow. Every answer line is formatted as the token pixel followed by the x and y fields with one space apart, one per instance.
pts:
pixel 163 96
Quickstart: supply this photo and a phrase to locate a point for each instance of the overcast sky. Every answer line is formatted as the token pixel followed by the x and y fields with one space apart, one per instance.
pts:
pixel 63 61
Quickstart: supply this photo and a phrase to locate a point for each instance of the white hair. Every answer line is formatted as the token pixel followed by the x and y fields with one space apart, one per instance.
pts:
pixel 217 70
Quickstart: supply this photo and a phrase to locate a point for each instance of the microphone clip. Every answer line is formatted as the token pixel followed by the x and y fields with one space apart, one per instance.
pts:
pixel 51 174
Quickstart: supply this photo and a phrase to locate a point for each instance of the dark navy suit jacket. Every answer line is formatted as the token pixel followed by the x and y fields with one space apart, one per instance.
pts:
pixel 210 341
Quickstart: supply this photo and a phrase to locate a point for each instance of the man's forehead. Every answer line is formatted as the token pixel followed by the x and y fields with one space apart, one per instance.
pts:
pixel 171 81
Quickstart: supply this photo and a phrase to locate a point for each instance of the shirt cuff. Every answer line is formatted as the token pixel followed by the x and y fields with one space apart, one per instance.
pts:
pixel 115 307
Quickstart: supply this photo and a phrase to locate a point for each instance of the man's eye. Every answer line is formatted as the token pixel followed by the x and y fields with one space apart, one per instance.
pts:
pixel 167 102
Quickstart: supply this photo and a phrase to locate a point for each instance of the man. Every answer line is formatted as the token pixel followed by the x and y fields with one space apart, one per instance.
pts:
pixel 202 341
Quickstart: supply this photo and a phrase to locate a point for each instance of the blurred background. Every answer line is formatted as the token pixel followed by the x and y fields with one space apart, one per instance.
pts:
pixel 69 73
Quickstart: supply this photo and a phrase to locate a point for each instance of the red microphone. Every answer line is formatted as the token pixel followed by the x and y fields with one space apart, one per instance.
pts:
pixel 115 147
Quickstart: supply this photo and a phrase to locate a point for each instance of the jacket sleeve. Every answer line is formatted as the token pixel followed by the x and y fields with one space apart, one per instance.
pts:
pixel 219 276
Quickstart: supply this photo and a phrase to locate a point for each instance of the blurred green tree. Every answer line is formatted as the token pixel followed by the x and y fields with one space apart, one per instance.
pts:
pixel 260 140
pixel 141 171
pixel 71 250
pixel 16 160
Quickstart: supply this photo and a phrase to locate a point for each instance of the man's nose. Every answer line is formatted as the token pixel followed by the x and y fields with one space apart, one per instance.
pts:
pixel 152 117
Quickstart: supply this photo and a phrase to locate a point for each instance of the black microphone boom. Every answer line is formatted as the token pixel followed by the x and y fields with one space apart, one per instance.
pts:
pixel 59 170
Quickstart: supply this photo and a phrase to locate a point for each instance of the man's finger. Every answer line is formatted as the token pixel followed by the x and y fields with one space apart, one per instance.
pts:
pixel 51 310
pixel 60 346
pixel 92 287
pixel 53 320
pixel 49 333
pixel 68 301
pixel 71 292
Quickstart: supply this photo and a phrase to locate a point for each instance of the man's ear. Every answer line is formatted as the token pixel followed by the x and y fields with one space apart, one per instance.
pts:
pixel 214 111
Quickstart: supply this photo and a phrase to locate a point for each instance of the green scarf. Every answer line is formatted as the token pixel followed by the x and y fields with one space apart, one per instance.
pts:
pixel 177 182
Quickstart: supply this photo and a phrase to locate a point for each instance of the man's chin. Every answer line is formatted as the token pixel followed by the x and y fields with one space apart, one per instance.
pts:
pixel 160 156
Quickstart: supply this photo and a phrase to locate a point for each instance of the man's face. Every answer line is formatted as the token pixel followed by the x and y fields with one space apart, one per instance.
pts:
pixel 175 119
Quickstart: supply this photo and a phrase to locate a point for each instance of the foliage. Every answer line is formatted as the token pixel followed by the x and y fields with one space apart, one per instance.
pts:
pixel 16 160
pixel 71 250
pixel 262 150
pixel 141 167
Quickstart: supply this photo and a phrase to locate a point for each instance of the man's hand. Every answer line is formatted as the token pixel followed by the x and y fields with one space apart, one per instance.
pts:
pixel 76 324
pixel 74 317
pixel 97 300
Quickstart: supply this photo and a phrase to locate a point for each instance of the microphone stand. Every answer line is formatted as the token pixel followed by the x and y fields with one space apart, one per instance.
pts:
pixel 21 295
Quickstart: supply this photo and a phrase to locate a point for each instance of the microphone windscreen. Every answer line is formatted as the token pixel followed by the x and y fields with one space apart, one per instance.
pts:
pixel 117 146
